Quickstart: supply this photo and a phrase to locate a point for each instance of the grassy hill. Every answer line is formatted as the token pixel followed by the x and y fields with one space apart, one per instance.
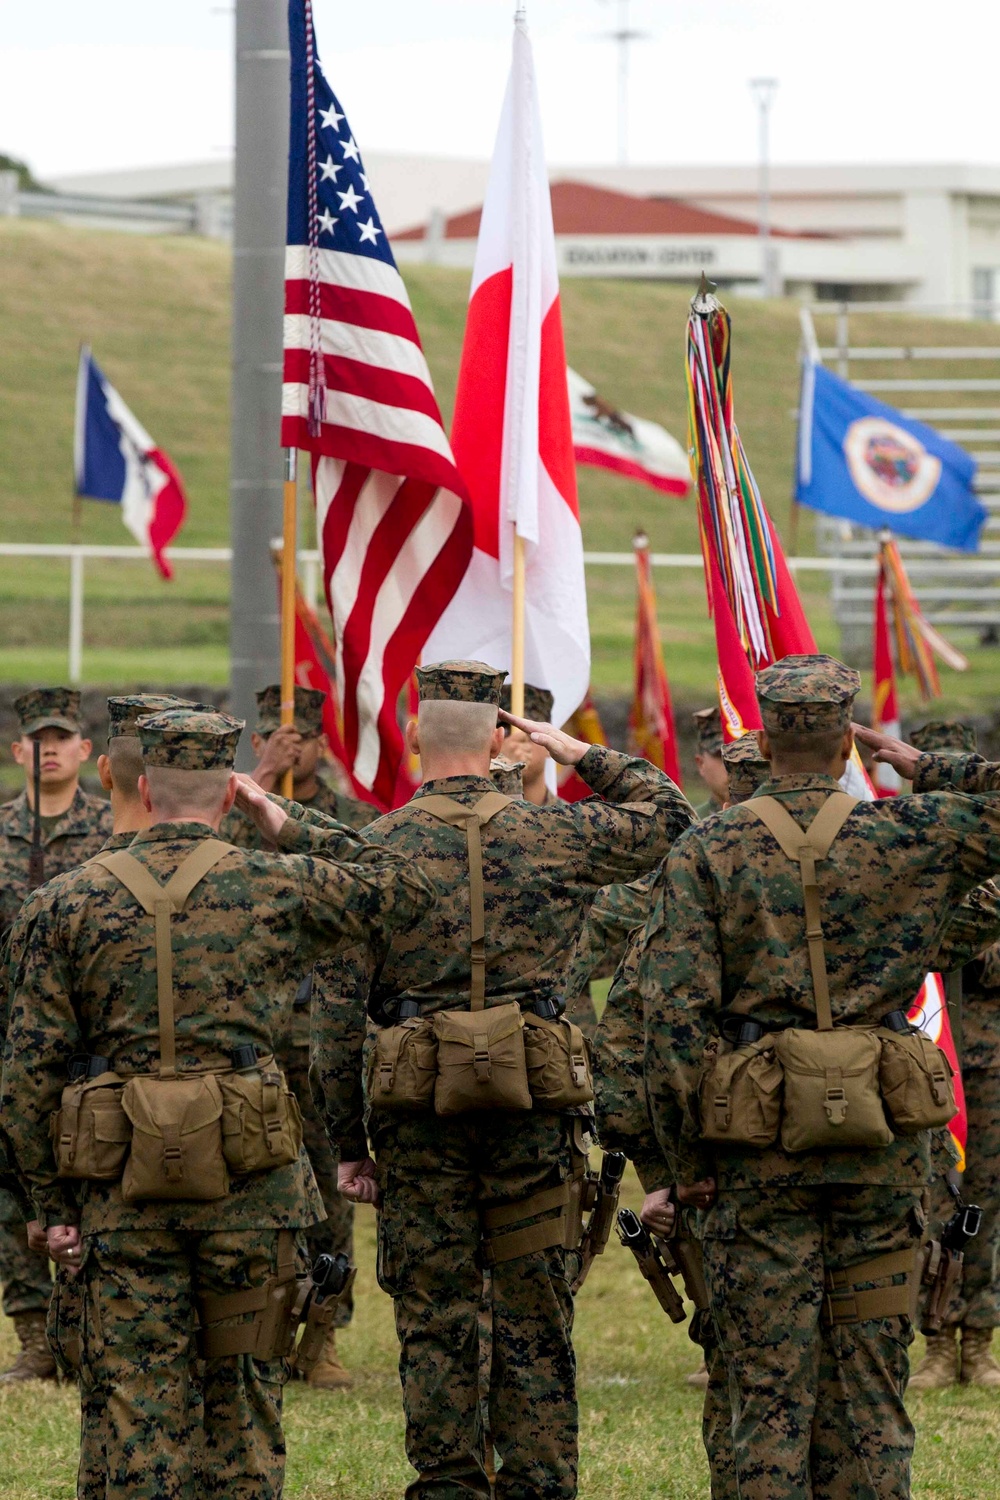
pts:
pixel 156 311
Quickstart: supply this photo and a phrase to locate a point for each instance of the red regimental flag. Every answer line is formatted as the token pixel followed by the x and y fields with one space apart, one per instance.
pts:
pixel 930 1013
pixel 885 706
pixel 651 720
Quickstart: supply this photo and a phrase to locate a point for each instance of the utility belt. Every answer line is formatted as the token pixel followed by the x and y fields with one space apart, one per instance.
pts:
pixel 171 1136
pixel 498 1057
pixel 280 1307
pixel 176 1138
pixel 828 1089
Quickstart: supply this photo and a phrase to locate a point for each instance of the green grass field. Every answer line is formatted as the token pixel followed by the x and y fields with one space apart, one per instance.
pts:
pixel 156 312
pixel 639 1422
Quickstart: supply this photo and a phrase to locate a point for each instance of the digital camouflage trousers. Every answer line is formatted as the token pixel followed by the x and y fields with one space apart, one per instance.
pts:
pixel 815 1410
pixel 163 1424
pixel 24 1274
pixel 335 1235
pixel 976 1302
pixel 436 1177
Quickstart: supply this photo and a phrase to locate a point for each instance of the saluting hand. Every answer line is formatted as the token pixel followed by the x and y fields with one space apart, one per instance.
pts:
pixel 889 751
pixel 281 751
pixel 562 747
pixel 267 815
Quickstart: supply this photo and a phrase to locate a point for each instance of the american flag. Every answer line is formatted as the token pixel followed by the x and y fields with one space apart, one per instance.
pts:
pixel 392 513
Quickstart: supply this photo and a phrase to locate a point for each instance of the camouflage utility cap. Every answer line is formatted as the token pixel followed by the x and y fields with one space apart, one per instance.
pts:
pixel 460 682
pixel 308 710
pixel 708 729
pixel 537 702
pixel 806 695
pixel 945 734
pixel 190 740
pixel 747 768
pixel 507 776
pixel 125 712
pixel 49 708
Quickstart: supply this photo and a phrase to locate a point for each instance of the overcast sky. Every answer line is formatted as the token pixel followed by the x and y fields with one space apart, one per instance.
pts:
pixel 90 84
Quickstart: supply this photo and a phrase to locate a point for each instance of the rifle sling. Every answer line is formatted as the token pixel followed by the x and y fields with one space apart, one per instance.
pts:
pixel 808 846
pixel 161 901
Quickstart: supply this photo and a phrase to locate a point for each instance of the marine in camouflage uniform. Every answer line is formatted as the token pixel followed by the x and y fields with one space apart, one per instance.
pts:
pixel 816 1409
pixel 438 1175
pixel 119 770
pixel 82 983
pixel 68 838
pixel 975 1307
pixel 708 759
pixel 335 1234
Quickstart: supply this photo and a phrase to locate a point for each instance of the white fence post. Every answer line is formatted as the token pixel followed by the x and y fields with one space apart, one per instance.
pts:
pixel 76 617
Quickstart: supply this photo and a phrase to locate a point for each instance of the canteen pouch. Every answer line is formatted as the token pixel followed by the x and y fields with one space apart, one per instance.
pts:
pixel 261 1122
pixel 176 1139
pixel 481 1062
pixel 916 1082
pixel 90 1130
pixel 402 1067
pixel 832 1097
pixel 739 1096
pixel 558 1063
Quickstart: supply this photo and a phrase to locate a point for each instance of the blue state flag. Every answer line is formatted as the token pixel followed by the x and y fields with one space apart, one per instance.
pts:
pixel 864 461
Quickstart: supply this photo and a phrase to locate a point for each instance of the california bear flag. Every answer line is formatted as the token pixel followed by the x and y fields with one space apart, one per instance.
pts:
pixel 512 437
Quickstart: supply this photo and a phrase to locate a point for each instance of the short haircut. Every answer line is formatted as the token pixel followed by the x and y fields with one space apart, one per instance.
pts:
pixel 125 757
pixel 451 728
pixel 176 793
pixel 806 751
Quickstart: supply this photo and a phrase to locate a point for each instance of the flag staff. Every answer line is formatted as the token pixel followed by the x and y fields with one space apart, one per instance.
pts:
pixel 288 548
pixel 517 630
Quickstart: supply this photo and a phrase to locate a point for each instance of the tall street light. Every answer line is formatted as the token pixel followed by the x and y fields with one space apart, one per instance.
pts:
pixel 763 91
pixel 624 35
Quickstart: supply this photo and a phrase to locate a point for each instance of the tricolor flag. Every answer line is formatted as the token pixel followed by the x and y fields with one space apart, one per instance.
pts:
pixel 512 434
pixel 392 520
pixel 633 447
pixel 116 460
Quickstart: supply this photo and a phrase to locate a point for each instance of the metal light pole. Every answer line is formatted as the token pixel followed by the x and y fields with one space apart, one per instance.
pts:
pixel 623 35
pixel 255 485
pixel 763 90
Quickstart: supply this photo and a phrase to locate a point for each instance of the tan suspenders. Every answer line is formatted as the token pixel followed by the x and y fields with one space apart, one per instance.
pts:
pixel 161 901
pixel 806 847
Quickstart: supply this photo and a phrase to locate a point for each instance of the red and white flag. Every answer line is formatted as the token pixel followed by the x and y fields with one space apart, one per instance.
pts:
pixel 885 705
pixel 512 435
pixel 392 517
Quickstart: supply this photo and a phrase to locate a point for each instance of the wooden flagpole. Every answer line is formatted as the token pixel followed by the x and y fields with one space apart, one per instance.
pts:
pixel 289 545
pixel 517 632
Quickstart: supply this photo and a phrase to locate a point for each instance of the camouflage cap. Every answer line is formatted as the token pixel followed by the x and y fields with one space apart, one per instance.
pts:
pixel 806 694
pixel 45 708
pixel 460 682
pixel 537 702
pixel 945 734
pixel 746 767
pixel 190 739
pixel 125 712
pixel 708 729
pixel 507 776
pixel 308 710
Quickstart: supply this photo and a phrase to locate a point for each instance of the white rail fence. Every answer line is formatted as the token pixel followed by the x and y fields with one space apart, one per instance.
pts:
pixel 309 571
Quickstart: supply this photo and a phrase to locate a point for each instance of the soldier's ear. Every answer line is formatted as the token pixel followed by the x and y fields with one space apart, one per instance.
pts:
pixel 497 741
pixel 86 746
pixel 17 750
pixel 412 735
pixel 763 743
pixel 144 793
pixel 104 771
